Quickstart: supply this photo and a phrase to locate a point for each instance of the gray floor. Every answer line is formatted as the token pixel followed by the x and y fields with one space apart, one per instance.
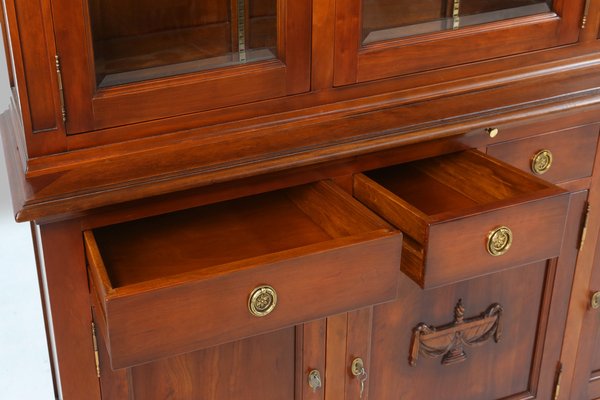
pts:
pixel 24 366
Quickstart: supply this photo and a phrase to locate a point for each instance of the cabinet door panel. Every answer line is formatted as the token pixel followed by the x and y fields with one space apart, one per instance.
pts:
pixel 125 62
pixel 523 363
pixel 377 39
pixel 490 371
pixel 263 366
pixel 272 366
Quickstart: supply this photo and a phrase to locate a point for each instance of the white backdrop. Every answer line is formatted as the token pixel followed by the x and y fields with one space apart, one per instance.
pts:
pixel 24 366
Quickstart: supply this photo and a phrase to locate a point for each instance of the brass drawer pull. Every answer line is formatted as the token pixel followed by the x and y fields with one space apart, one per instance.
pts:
pixel 448 341
pixel 541 162
pixel 499 241
pixel 262 301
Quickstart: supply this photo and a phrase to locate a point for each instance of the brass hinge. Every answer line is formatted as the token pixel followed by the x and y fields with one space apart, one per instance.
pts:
pixel 585 14
pixel 559 372
pixel 61 91
pixel 95 343
pixel 584 227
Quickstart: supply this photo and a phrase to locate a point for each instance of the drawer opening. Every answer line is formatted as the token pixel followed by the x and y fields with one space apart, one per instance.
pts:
pixel 450 207
pixel 180 282
pixel 201 238
pixel 453 182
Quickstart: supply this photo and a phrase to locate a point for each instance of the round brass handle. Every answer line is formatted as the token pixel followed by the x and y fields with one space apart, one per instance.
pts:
pixel 499 241
pixel 262 301
pixel 541 162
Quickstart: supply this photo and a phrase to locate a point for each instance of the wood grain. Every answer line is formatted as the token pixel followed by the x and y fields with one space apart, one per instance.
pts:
pixel 466 192
pixel 181 270
pixel 573 153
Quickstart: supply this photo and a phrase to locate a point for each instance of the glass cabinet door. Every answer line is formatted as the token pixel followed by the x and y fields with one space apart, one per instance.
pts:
pixel 395 37
pixel 129 61
pixel 165 38
pixel 387 19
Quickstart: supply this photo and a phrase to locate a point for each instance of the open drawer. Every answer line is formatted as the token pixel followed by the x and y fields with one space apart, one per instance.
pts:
pixel 198 278
pixel 465 215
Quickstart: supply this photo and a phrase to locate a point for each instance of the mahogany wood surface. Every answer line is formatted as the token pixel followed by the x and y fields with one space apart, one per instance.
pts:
pixel 483 375
pixel 438 50
pixel 449 204
pixel 580 339
pixel 65 283
pixel 573 150
pixel 170 96
pixel 230 371
pixel 230 249
pixel 187 164
pixel 186 192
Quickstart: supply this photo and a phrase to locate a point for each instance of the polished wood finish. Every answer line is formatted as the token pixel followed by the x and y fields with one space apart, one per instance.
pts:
pixel 152 175
pixel 68 311
pixel 578 142
pixel 95 109
pixel 228 250
pixel 438 50
pixel 433 199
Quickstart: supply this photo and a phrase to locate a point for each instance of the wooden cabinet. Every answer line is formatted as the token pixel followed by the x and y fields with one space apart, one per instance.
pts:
pixel 229 371
pixel 122 63
pixel 378 39
pixel 247 265
pixel 334 200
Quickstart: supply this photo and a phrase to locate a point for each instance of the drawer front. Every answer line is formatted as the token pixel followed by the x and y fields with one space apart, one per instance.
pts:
pixel 458 249
pixel 354 265
pixel 202 314
pixel 466 215
pixel 556 157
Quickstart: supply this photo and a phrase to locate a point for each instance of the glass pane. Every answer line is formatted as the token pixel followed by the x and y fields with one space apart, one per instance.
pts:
pixel 136 40
pixel 390 19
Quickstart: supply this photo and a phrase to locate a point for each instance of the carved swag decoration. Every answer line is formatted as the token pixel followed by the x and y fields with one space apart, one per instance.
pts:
pixel 448 341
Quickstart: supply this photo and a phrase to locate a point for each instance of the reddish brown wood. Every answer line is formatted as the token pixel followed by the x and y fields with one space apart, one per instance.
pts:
pixel 580 338
pixel 520 292
pixel 323 34
pixel 431 51
pixel 180 94
pixel 232 248
pixel 578 144
pixel 433 199
pixel 189 165
pixel 336 368
pixel 41 113
pixel 211 138
pixel 65 281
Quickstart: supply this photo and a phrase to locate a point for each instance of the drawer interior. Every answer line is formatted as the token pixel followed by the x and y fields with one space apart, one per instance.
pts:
pixel 199 278
pixel 454 182
pixel 462 204
pixel 222 233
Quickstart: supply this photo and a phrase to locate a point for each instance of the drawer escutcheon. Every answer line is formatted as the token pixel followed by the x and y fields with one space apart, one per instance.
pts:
pixel 499 241
pixel 263 301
